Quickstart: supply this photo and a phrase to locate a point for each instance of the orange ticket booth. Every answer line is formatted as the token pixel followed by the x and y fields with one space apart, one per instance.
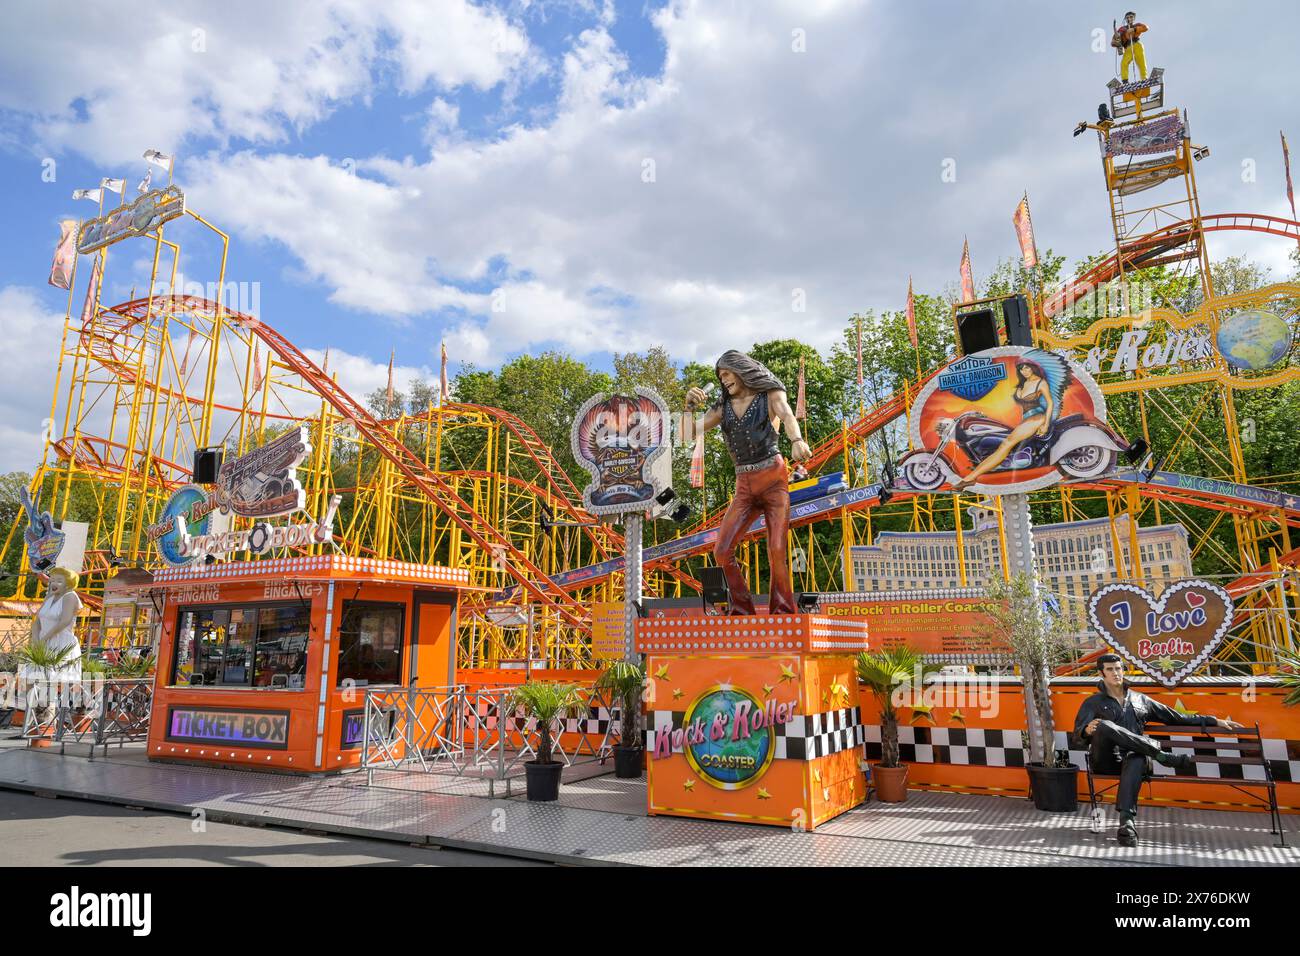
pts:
pixel 753 718
pixel 266 663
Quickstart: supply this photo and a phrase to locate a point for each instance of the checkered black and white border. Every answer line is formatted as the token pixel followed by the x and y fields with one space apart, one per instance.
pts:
pixel 804 737
pixel 598 720
pixel 983 747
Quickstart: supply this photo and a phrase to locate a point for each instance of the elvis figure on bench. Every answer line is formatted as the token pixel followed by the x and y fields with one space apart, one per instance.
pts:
pixel 1111 723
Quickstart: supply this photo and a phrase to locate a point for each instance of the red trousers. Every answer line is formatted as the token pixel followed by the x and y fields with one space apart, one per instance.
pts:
pixel 765 492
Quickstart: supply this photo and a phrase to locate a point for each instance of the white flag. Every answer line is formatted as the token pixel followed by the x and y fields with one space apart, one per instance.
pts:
pixel 146 182
pixel 114 185
pixel 158 158
pixel 94 195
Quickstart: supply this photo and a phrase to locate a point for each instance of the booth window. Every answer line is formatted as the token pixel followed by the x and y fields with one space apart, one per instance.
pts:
pixel 370 643
pixel 244 646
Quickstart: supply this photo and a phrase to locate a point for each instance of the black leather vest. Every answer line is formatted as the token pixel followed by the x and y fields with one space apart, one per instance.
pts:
pixel 751 437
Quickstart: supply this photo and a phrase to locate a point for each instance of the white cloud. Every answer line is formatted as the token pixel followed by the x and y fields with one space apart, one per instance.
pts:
pixel 359 375
pixel 109 80
pixel 31 334
pixel 777 174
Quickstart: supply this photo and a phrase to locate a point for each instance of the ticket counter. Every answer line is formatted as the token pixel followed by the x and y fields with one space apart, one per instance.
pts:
pixel 266 663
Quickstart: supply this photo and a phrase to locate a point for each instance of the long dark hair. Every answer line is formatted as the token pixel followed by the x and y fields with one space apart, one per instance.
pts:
pixel 1020 377
pixel 751 372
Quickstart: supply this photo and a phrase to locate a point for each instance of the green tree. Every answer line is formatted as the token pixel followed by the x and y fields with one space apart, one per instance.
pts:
pixel 653 369
pixel 544 390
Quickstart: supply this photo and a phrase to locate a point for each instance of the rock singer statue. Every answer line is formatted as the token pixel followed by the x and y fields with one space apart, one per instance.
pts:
pixel 753 401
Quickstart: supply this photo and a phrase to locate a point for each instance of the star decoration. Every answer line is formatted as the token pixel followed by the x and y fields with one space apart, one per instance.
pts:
pixel 817 774
pixel 826 795
pixel 767 690
pixel 1178 705
pixel 688 784
pixel 787 674
pixel 678 694
pixel 662 673
pixel 922 712
pixel 839 692
pixel 958 716
pixel 763 794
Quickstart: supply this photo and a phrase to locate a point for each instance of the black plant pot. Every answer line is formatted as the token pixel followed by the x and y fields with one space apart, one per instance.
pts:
pixel 1054 789
pixel 543 780
pixel 629 762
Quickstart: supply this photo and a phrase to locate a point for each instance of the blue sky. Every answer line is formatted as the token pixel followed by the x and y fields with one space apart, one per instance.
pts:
pixel 395 175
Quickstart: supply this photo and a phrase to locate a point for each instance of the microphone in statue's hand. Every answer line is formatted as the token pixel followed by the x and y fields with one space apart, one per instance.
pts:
pixel 697 396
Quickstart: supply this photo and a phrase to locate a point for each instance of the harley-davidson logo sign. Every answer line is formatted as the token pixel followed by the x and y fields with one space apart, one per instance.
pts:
pixel 624 442
pixel 1166 638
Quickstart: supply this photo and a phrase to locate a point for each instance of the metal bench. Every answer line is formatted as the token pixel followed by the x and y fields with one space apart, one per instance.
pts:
pixel 1238 748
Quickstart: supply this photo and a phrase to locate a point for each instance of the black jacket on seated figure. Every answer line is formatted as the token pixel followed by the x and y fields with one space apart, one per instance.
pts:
pixel 1133 713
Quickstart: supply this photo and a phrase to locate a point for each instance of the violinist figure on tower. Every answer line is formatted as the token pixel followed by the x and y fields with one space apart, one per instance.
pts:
pixel 753 402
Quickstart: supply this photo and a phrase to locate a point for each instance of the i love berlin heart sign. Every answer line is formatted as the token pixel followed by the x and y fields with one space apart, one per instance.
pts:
pixel 1166 638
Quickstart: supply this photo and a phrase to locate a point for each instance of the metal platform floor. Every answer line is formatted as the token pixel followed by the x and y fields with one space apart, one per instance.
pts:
pixel 601 820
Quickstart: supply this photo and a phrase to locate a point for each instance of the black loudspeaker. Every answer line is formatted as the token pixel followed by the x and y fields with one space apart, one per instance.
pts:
pixel 1003 323
pixel 1015 314
pixel 207 462
pixel 713 586
pixel 976 331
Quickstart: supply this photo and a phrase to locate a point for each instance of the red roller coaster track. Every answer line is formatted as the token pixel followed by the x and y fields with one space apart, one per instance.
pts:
pixel 432 485
pixel 1160 247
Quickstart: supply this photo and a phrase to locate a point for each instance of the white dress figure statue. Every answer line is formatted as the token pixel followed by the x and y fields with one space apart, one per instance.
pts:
pixel 53 626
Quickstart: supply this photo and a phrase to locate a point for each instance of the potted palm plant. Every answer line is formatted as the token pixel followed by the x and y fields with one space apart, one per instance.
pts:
pixel 46 660
pixel 1038 641
pixel 93 667
pixel 131 666
pixel 626 681
pixel 544 702
pixel 885 673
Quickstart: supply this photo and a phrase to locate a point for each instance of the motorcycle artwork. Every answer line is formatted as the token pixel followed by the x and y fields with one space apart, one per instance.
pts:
pixel 1007 420
pixel 263 483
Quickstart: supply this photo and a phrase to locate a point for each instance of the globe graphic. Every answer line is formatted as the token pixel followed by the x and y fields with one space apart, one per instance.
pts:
pixel 180 504
pixel 1253 340
pixel 757 746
